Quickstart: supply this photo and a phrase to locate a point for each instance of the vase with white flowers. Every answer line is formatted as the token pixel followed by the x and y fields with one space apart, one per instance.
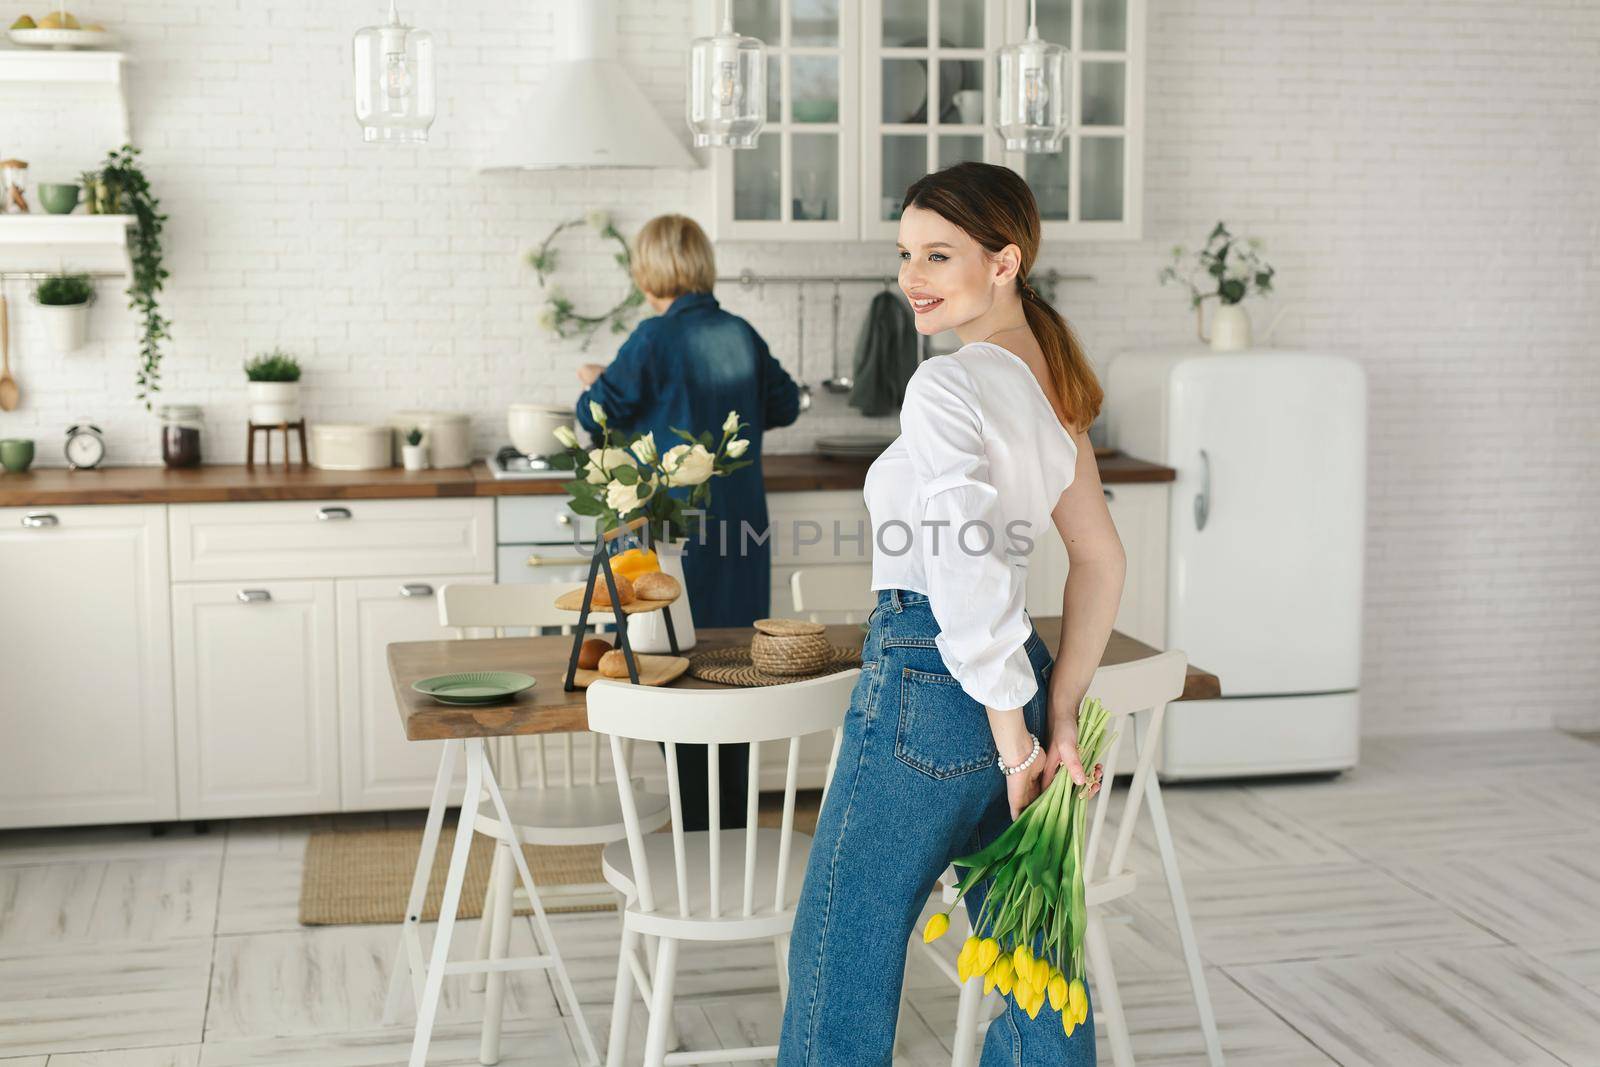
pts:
pixel 1231 269
pixel 626 477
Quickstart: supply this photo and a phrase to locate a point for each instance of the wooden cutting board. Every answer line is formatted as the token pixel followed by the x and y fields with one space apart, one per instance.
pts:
pixel 653 670
pixel 572 600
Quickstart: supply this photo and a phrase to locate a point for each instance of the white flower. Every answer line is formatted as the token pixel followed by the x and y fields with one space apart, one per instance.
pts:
pixel 686 465
pixel 565 435
pixel 737 447
pixel 596 412
pixel 602 461
pixel 598 219
pixel 625 498
pixel 645 448
pixel 731 423
pixel 548 318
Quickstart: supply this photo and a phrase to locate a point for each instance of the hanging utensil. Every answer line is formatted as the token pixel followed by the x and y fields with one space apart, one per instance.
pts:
pixel 9 393
pixel 837 383
pixel 800 333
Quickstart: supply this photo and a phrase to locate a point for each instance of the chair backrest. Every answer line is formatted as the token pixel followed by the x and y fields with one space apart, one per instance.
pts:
pixel 480 610
pixel 833 594
pixel 714 718
pixel 1138 687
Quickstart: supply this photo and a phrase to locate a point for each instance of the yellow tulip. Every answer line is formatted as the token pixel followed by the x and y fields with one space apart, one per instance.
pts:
pixel 989 980
pixel 1022 992
pixel 1035 1002
pixel 1041 973
pixel 967 959
pixel 1022 961
pixel 1068 1023
pixel 937 925
pixel 1058 991
pixel 1078 1000
pixel 1004 974
pixel 988 952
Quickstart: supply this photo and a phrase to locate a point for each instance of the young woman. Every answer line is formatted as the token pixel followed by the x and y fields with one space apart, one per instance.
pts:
pixel 688 367
pixel 961 716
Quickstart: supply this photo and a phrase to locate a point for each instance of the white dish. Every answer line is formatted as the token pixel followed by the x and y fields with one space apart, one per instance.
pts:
pixel 37 38
pixel 347 446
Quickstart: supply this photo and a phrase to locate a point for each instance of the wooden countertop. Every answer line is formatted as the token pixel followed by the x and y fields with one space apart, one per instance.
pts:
pixel 54 487
pixel 547 708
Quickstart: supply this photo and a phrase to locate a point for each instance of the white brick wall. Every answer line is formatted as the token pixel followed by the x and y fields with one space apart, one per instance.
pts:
pixel 1422 171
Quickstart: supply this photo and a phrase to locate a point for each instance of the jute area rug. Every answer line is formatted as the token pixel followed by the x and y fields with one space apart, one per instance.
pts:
pixel 364 876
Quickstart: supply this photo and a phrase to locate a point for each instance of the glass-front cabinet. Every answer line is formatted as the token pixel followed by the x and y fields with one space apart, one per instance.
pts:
pixel 865 97
pixel 799 182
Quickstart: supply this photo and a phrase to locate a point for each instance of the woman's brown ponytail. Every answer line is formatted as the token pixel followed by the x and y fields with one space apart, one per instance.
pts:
pixel 997 208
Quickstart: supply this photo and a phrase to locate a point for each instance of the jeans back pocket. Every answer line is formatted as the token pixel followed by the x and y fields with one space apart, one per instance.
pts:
pixel 943 732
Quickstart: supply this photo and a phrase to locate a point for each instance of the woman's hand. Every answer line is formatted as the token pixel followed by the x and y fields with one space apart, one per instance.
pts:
pixel 1063 751
pixel 1024 787
pixel 588 372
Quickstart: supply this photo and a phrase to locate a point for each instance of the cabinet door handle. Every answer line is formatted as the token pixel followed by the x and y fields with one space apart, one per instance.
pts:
pixel 254 596
pixel 1202 499
pixel 416 589
pixel 553 561
pixel 1108 493
pixel 38 519
pixel 563 519
pixel 330 514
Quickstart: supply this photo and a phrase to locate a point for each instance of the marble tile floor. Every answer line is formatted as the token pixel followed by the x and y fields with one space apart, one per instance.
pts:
pixel 1440 905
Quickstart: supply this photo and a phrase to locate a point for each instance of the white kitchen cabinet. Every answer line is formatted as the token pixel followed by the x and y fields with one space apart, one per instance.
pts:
pixel 799 182
pixel 906 87
pixel 331 538
pixel 257 698
pixel 1140 514
pixel 86 699
pixel 379 768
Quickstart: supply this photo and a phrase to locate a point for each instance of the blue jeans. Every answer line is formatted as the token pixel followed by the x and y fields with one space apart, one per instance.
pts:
pixel 916 786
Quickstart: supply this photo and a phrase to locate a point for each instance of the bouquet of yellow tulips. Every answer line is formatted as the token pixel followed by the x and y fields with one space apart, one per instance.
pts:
pixel 1035 896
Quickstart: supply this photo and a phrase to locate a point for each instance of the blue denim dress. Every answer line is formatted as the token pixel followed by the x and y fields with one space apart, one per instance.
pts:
pixel 916 786
pixel 687 368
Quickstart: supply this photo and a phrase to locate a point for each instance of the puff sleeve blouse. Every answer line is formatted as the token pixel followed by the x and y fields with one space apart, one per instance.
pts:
pixel 957 503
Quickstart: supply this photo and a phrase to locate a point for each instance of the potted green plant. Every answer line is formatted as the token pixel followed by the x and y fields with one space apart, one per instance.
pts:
pixel 64 299
pixel 1230 268
pixel 414 454
pixel 274 388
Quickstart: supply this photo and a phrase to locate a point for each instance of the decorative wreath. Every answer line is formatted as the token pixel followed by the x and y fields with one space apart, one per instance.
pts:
pixel 558 315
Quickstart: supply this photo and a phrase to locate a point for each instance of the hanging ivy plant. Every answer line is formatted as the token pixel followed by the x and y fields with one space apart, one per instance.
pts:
pixel 558 315
pixel 128 192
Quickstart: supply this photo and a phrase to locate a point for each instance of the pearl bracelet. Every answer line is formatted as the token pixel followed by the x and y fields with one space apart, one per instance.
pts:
pixel 1024 765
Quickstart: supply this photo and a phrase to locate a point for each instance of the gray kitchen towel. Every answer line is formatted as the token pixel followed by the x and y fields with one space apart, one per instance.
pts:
pixel 886 356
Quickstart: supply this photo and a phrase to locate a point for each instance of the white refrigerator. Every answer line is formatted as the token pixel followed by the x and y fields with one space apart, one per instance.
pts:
pixel 1266 524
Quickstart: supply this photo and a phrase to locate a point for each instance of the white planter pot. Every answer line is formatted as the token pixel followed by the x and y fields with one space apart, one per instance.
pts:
pixel 648 632
pixel 414 457
pixel 1230 329
pixel 274 402
pixel 67 325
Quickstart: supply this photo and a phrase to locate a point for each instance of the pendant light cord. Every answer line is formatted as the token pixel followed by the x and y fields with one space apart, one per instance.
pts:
pixel 1033 20
pixel 727 16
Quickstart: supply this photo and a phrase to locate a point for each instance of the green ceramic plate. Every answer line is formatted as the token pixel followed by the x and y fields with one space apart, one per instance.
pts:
pixel 474 687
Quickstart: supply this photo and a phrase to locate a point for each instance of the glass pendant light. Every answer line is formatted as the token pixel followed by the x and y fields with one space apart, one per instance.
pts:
pixel 727 103
pixel 394 81
pixel 1031 83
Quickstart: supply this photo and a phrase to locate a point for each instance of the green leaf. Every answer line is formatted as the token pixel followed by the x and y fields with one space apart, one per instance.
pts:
pixel 626 474
pixel 586 506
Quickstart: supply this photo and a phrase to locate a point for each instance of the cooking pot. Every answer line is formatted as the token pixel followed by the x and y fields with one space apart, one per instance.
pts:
pixel 533 427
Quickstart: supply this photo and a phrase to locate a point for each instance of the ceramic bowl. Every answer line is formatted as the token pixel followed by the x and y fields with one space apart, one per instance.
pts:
pixel 58 198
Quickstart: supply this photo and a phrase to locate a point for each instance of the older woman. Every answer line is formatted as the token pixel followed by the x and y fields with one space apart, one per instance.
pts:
pixel 687 368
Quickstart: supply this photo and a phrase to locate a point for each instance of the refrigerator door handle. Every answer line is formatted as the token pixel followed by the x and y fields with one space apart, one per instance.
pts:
pixel 1202 499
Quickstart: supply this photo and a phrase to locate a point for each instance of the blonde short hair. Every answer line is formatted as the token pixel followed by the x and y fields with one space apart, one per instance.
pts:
pixel 673 256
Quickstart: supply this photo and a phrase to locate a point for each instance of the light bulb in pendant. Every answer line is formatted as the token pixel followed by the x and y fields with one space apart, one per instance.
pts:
pixel 394 81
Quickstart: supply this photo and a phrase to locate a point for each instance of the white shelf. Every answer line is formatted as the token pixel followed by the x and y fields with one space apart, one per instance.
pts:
pixel 64 242
pixel 51 65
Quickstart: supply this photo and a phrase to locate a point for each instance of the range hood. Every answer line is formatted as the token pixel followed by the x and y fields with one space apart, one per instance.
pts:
pixel 586 111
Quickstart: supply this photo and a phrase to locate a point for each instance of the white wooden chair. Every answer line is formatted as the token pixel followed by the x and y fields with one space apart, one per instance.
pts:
pixel 574 803
pixel 1130 691
pixel 712 885
pixel 833 594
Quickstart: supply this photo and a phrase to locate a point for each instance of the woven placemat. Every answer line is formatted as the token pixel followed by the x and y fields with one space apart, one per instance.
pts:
pixel 732 666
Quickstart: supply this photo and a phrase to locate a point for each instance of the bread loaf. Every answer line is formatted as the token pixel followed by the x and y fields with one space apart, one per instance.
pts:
pixel 613 664
pixel 602 595
pixel 590 652
pixel 656 585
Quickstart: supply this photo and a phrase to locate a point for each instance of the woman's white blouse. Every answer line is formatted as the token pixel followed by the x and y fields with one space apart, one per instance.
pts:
pixel 958 502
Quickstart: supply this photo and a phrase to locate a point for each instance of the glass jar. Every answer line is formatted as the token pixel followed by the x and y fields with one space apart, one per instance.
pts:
pixel 180 435
pixel 14 175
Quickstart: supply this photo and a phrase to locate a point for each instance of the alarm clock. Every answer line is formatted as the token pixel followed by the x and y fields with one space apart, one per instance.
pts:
pixel 85 447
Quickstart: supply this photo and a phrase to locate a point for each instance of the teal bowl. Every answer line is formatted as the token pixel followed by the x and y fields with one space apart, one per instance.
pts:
pixel 58 198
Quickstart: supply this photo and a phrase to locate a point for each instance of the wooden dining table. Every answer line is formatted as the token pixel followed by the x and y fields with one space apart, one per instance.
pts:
pixel 548 709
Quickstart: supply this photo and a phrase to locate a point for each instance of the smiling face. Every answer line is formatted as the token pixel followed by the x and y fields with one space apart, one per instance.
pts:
pixel 950 279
